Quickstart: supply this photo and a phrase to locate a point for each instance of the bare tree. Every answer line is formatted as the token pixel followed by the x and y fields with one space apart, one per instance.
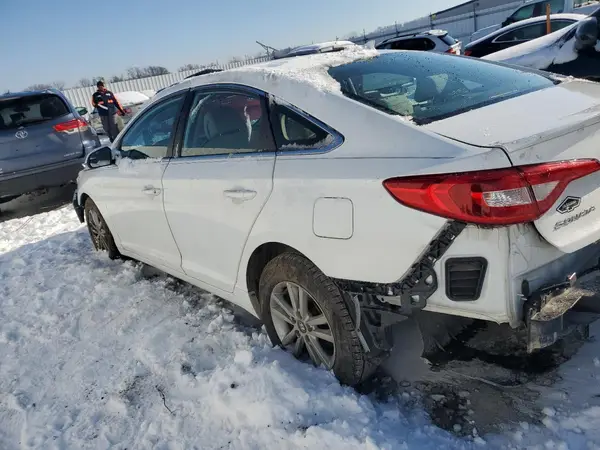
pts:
pixel 187 67
pixel 235 59
pixel 38 87
pixel 133 73
pixel 85 82
pixel 116 78
pixel 60 85
pixel 152 71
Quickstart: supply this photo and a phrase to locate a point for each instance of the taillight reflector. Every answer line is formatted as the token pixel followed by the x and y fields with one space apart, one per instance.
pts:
pixel 71 126
pixel 492 197
pixel 468 52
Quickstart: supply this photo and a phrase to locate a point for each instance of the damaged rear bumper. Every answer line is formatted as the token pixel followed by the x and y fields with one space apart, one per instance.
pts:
pixel 556 311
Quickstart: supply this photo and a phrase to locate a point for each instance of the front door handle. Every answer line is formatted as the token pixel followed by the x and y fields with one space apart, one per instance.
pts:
pixel 150 190
pixel 240 194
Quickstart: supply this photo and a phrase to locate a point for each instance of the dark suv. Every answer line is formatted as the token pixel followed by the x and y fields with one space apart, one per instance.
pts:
pixel 43 142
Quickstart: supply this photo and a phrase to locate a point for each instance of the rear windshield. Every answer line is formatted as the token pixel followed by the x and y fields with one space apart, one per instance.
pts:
pixel 429 86
pixel 30 109
pixel 446 38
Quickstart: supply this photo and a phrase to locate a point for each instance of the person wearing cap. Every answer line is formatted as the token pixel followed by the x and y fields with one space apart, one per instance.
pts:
pixel 107 106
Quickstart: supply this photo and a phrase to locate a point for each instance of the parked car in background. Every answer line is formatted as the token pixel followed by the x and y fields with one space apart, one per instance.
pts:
pixel 322 47
pixel 261 187
pixel 430 41
pixel 519 32
pixel 43 142
pixel 537 8
pixel 572 51
pixel 132 102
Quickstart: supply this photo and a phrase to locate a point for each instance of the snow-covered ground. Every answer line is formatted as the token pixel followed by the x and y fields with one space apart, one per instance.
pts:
pixel 94 355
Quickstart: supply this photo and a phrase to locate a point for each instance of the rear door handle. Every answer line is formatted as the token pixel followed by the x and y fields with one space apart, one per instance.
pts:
pixel 240 194
pixel 150 190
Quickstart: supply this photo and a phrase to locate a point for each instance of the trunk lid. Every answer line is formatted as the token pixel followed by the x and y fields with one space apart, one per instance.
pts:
pixel 555 124
pixel 28 139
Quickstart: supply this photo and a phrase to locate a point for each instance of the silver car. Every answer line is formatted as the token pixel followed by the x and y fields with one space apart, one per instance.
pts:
pixel 43 142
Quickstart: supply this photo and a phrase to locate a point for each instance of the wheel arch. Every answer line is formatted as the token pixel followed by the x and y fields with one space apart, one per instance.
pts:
pixel 259 258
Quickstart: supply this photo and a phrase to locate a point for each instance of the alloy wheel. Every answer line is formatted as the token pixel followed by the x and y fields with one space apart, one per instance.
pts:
pixel 301 325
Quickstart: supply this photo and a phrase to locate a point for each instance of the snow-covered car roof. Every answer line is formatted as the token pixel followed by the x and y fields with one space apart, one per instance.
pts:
pixel 564 16
pixel 303 81
pixel 279 75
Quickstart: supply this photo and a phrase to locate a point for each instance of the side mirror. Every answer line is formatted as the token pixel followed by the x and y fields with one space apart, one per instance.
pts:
pixel 586 34
pixel 81 110
pixel 100 157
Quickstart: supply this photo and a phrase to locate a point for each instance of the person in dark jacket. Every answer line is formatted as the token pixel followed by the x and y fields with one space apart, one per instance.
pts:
pixel 107 106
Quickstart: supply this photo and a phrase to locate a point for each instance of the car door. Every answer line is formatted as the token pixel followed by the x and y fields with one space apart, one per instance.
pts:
pixel 219 181
pixel 134 192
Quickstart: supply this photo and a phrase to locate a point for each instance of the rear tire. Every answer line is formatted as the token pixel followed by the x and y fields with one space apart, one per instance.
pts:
pixel 305 313
pixel 102 238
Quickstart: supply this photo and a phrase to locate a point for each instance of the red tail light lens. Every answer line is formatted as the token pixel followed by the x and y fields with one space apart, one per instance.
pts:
pixel 72 126
pixel 468 52
pixel 491 197
pixel 452 51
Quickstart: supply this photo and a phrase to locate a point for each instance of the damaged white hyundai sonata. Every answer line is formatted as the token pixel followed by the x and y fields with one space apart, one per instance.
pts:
pixel 335 195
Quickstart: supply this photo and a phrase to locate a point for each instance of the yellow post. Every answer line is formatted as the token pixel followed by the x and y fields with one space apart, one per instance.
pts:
pixel 548 27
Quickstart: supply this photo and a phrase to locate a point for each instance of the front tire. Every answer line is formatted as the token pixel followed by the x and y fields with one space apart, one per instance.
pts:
pixel 102 238
pixel 305 313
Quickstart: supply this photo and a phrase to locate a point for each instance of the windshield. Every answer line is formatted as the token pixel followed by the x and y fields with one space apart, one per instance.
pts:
pixel 428 86
pixel 30 109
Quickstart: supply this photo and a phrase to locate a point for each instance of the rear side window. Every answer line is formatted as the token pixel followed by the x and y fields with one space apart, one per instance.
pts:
pixel 432 86
pixel 31 109
pixel 526 12
pixel 560 24
pixel 447 39
pixel 294 132
pixel 422 44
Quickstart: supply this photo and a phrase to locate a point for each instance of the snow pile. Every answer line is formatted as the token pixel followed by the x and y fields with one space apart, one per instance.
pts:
pixel 129 98
pixel 93 355
pixel 310 69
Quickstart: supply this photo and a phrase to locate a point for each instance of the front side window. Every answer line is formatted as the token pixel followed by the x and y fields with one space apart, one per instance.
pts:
pixel 223 123
pixel 525 33
pixel 295 132
pixel 150 136
pixel 18 112
pixel 432 86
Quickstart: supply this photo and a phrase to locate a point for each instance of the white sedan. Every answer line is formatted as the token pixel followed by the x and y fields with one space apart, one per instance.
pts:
pixel 334 195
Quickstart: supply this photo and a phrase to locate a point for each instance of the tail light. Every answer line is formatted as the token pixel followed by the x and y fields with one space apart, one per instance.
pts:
pixel 468 52
pixel 72 126
pixel 454 50
pixel 491 197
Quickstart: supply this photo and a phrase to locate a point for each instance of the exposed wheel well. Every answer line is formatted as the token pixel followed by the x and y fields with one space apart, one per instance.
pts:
pixel 84 197
pixel 257 262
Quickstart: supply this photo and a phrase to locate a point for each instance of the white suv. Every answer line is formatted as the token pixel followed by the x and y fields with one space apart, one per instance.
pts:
pixel 429 41
pixel 335 195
